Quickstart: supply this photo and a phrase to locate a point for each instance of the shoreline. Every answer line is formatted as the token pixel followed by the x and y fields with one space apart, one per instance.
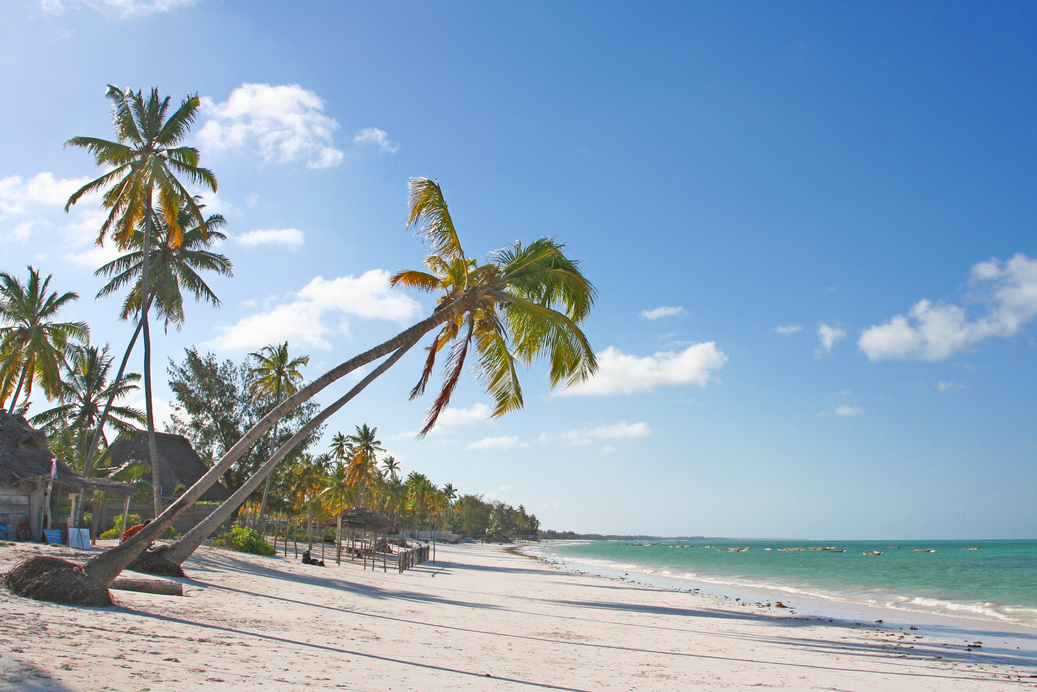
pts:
pixel 481 617
pixel 821 607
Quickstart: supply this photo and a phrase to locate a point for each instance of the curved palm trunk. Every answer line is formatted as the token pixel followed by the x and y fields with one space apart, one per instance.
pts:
pixel 18 389
pixel 185 546
pixel 105 567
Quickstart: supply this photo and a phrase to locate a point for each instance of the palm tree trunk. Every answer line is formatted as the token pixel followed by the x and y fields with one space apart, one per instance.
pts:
pixel 156 473
pixel 18 389
pixel 91 452
pixel 185 546
pixel 109 564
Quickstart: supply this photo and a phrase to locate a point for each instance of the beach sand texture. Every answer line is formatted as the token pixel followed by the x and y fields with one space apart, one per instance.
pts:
pixel 479 618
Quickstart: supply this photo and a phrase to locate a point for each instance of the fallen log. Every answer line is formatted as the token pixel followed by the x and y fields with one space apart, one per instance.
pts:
pixel 159 586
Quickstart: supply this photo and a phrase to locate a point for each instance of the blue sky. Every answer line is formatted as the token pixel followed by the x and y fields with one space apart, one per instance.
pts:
pixel 811 226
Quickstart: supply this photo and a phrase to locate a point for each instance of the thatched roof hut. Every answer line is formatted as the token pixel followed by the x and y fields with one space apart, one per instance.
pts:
pixel 366 520
pixel 25 469
pixel 178 464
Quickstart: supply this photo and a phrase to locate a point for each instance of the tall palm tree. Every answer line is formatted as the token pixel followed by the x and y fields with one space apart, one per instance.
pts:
pixel 144 164
pixel 275 375
pixel 173 268
pixel 33 345
pixel 362 463
pixel 527 302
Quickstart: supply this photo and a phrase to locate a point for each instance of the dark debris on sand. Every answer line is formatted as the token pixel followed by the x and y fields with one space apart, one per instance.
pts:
pixel 154 562
pixel 59 581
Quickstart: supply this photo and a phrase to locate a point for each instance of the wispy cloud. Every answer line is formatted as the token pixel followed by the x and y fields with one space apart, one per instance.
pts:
pixel 372 136
pixel 846 410
pixel 288 237
pixel 309 318
pixel 659 313
pixel 616 431
pixel 787 329
pixel 621 373
pixel 498 443
pixel 827 337
pixel 947 386
pixel 456 417
pixel 119 8
pixel 286 123
pixel 1008 292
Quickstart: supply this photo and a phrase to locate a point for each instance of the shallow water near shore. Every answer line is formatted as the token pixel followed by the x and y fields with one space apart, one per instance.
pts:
pixel 993 581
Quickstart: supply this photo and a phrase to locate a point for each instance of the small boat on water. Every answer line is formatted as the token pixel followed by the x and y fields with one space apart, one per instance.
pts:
pixel 873 553
pixel 833 550
pixel 924 550
pixel 972 547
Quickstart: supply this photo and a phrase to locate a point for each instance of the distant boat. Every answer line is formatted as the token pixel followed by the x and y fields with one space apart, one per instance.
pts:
pixel 892 547
pixel 972 547
pixel 873 553
pixel 833 550
pixel 924 550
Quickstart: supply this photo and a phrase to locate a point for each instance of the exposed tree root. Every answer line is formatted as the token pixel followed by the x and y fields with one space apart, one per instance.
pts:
pixel 59 581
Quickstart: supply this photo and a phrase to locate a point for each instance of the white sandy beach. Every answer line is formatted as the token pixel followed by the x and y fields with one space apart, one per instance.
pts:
pixel 479 618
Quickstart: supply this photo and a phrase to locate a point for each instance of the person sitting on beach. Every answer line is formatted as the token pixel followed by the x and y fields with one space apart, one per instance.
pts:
pixel 307 560
pixel 128 533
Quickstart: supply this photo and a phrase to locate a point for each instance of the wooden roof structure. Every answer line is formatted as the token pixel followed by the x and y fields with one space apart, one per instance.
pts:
pixel 25 459
pixel 179 463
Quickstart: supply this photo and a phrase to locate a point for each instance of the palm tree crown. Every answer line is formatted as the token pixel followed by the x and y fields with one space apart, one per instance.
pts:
pixel 172 268
pixel 145 161
pixel 33 347
pixel 525 302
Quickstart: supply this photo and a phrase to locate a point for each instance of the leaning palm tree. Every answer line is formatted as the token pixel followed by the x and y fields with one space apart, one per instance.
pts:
pixel 275 375
pixel 33 345
pixel 143 164
pixel 525 302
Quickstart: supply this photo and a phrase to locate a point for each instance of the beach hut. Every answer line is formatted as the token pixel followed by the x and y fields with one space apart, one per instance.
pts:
pixel 179 464
pixel 365 520
pixel 35 486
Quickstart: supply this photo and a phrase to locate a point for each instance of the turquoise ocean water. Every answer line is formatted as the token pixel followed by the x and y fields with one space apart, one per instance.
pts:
pixel 997 582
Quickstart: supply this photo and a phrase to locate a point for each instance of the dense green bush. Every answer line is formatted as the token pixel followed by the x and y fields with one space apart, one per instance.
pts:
pixel 245 540
pixel 116 531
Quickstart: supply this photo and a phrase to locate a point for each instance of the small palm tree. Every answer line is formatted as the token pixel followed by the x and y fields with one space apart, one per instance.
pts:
pixel 390 468
pixel 276 375
pixel 362 463
pixel 83 393
pixel 144 163
pixel 32 344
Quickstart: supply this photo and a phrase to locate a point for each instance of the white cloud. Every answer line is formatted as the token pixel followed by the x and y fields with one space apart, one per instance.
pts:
pixel 788 329
pixel 828 336
pixel 616 431
pixel 621 373
pixel 659 313
pixel 318 311
pixel 1008 291
pixel 946 386
pixel 121 8
pixel 42 190
pixel 286 123
pixel 378 138
pixel 289 237
pixel 846 410
pixel 453 417
pixel 499 443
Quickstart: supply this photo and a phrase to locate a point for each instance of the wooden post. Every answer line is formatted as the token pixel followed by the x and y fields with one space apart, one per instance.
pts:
pixel 338 540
